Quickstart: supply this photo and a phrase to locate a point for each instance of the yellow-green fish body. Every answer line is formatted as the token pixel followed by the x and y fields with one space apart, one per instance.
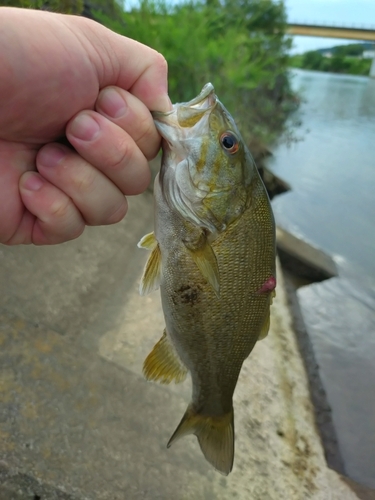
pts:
pixel 213 255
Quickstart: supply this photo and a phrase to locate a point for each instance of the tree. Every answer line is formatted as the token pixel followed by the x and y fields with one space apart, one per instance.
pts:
pixel 240 46
pixel 312 60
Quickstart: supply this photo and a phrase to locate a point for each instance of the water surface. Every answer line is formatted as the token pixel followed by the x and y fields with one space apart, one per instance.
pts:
pixel 332 205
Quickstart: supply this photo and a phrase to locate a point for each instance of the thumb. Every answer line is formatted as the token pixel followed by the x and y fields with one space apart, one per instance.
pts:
pixel 128 64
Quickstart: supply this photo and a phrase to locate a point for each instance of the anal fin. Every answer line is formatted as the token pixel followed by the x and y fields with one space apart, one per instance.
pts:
pixel 163 364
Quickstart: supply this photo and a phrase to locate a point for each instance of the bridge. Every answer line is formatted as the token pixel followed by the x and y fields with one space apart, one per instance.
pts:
pixel 360 33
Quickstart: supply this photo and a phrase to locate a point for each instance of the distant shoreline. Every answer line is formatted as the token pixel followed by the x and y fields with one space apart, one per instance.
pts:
pixel 351 59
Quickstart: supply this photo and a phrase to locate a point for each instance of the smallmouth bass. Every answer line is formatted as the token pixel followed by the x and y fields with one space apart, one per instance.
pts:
pixel 213 257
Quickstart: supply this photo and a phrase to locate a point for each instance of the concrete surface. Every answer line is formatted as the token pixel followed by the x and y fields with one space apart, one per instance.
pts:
pixel 318 395
pixel 77 419
pixel 307 263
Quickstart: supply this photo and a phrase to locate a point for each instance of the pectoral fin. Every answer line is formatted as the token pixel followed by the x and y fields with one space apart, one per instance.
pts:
pixel 206 261
pixel 148 241
pixel 150 280
pixel 163 364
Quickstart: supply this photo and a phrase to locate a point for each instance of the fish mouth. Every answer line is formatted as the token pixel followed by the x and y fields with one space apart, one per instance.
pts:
pixel 187 114
pixel 205 99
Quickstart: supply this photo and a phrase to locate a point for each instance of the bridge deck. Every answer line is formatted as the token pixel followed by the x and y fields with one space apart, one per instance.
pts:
pixel 350 33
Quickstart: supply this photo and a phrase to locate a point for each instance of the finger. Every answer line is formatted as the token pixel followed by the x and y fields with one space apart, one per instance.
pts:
pixel 107 147
pixel 129 113
pixel 95 196
pixel 128 64
pixel 24 231
pixel 145 75
pixel 15 159
pixel 57 219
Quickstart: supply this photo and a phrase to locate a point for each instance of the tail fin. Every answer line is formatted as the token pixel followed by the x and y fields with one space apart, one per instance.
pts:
pixel 215 436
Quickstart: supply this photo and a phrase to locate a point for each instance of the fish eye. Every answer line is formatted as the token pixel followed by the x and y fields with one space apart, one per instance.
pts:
pixel 229 142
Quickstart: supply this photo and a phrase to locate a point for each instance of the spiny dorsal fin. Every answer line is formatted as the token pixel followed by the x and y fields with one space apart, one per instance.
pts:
pixel 215 436
pixel 148 241
pixel 163 363
pixel 150 280
pixel 206 261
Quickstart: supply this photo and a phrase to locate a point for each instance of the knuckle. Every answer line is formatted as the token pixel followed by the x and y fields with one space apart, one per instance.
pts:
pixel 145 137
pixel 84 183
pixel 120 155
pixel 60 208
pixel 61 224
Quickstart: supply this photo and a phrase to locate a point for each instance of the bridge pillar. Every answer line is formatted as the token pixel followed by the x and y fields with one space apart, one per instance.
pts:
pixel 372 69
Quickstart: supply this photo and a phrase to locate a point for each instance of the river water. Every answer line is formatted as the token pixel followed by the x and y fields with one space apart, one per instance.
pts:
pixel 332 206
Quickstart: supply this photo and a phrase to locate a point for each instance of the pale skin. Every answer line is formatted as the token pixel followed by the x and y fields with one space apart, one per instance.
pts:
pixel 66 76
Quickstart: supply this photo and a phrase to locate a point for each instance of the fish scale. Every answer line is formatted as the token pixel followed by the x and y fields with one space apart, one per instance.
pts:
pixel 213 257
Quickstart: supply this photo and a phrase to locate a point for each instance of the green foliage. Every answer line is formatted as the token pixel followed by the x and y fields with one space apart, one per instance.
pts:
pixel 349 50
pixel 65 6
pixel 238 45
pixel 109 7
pixel 344 59
pixel 337 63
pixel 353 49
pixel 312 60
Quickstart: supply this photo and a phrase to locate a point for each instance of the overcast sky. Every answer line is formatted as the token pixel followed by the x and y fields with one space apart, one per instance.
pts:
pixel 347 12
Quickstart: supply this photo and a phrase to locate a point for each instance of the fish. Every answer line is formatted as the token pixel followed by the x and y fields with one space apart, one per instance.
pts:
pixel 213 258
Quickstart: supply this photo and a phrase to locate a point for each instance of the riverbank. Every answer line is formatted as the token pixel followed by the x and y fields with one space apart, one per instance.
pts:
pixel 77 419
pixel 330 206
pixel 339 65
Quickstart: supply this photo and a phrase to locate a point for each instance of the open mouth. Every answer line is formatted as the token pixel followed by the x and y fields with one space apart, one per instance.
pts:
pixel 185 115
pixel 190 113
pixel 205 99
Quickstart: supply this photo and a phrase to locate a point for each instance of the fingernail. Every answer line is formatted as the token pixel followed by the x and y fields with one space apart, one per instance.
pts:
pixel 51 155
pixel 111 103
pixel 32 182
pixel 84 127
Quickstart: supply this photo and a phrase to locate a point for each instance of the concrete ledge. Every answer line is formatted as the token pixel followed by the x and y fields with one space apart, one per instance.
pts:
pixel 303 260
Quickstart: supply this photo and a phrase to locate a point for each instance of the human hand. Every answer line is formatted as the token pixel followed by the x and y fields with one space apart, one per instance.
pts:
pixel 69 76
